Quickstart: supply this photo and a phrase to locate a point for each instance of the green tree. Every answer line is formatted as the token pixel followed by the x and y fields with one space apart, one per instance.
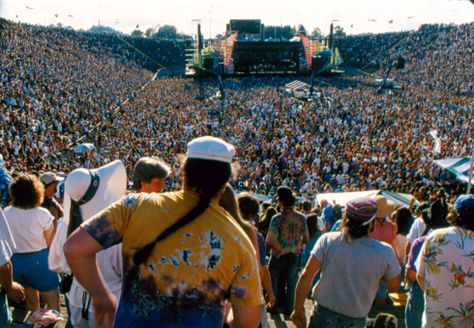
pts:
pixel 316 33
pixel 285 32
pixel 149 32
pixel 137 33
pixel 102 30
pixel 166 32
pixel 301 29
pixel 339 32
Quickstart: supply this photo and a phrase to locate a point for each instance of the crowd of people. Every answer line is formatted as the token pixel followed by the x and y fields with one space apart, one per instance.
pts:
pixel 61 88
pixel 350 139
pixel 368 50
pixel 192 266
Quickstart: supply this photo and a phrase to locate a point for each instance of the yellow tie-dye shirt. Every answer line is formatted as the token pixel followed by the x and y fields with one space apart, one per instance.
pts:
pixel 198 266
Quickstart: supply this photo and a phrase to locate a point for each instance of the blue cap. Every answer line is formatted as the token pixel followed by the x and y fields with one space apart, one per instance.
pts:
pixel 464 205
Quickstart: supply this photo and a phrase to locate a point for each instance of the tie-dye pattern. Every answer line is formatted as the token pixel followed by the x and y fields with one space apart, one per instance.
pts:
pixel 197 267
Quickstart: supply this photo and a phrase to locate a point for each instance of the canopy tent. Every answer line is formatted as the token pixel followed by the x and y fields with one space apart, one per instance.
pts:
pixel 83 148
pixel 296 85
pixel 459 167
pixel 342 198
pixel 398 198
pixel 297 89
pixel 261 198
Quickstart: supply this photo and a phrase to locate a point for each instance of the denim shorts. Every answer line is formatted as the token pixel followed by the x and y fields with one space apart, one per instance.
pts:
pixel 31 269
pixel 325 318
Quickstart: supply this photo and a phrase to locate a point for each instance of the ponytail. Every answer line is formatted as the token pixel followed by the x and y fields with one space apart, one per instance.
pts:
pixel 207 178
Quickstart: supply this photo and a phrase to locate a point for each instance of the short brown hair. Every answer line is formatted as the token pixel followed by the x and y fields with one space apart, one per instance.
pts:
pixel 26 191
pixel 248 206
pixel 148 168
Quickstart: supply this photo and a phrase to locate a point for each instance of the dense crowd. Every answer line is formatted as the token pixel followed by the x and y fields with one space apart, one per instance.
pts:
pixel 61 88
pixel 364 50
pixel 351 138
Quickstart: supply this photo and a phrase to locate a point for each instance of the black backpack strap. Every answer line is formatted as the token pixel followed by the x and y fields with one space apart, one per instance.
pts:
pixel 75 217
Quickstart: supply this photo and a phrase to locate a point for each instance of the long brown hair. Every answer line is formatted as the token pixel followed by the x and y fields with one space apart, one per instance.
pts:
pixel 229 202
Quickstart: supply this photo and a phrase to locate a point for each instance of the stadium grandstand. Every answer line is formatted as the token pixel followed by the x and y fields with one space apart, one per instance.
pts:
pixel 73 99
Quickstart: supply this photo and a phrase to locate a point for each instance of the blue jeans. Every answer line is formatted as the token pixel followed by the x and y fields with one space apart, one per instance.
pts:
pixel 286 265
pixel 167 318
pixel 325 318
pixel 415 307
pixel 5 316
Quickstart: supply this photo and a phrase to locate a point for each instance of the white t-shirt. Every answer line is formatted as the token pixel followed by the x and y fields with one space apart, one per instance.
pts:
pixel 28 227
pixel 416 230
pixel 6 240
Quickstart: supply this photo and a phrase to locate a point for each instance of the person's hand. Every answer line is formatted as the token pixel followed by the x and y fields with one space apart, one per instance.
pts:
pixel 298 316
pixel 270 300
pixel 105 308
pixel 16 292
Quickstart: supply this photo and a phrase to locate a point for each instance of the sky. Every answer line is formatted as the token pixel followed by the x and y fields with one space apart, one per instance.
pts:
pixel 355 16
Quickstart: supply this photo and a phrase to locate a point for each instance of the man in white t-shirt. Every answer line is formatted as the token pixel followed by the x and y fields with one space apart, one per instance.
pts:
pixel 417 228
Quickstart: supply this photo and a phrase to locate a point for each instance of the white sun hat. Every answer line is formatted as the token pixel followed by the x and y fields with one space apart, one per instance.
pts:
pixel 112 185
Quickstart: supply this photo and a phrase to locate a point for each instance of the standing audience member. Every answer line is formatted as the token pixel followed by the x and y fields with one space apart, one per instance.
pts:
pixel 8 287
pixel 434 218
pixel 183 254
pixel 264 224
pixel 445 270
pixel 87 192
pixel 403 219
pixel 327 215
pixel 32 228
pixel 418 227
pixel 228 201
pixel 5 180
pixel 352 265
pixel 385 231
pixel 149 175
pixel 287 235
pixel 314 233
pixel 50 182
pixel 249 207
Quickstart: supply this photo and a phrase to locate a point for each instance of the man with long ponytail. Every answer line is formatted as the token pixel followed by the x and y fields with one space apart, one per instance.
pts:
pixel 183 255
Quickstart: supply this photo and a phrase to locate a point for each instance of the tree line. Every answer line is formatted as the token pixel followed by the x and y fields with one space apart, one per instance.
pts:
pixel 269 32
